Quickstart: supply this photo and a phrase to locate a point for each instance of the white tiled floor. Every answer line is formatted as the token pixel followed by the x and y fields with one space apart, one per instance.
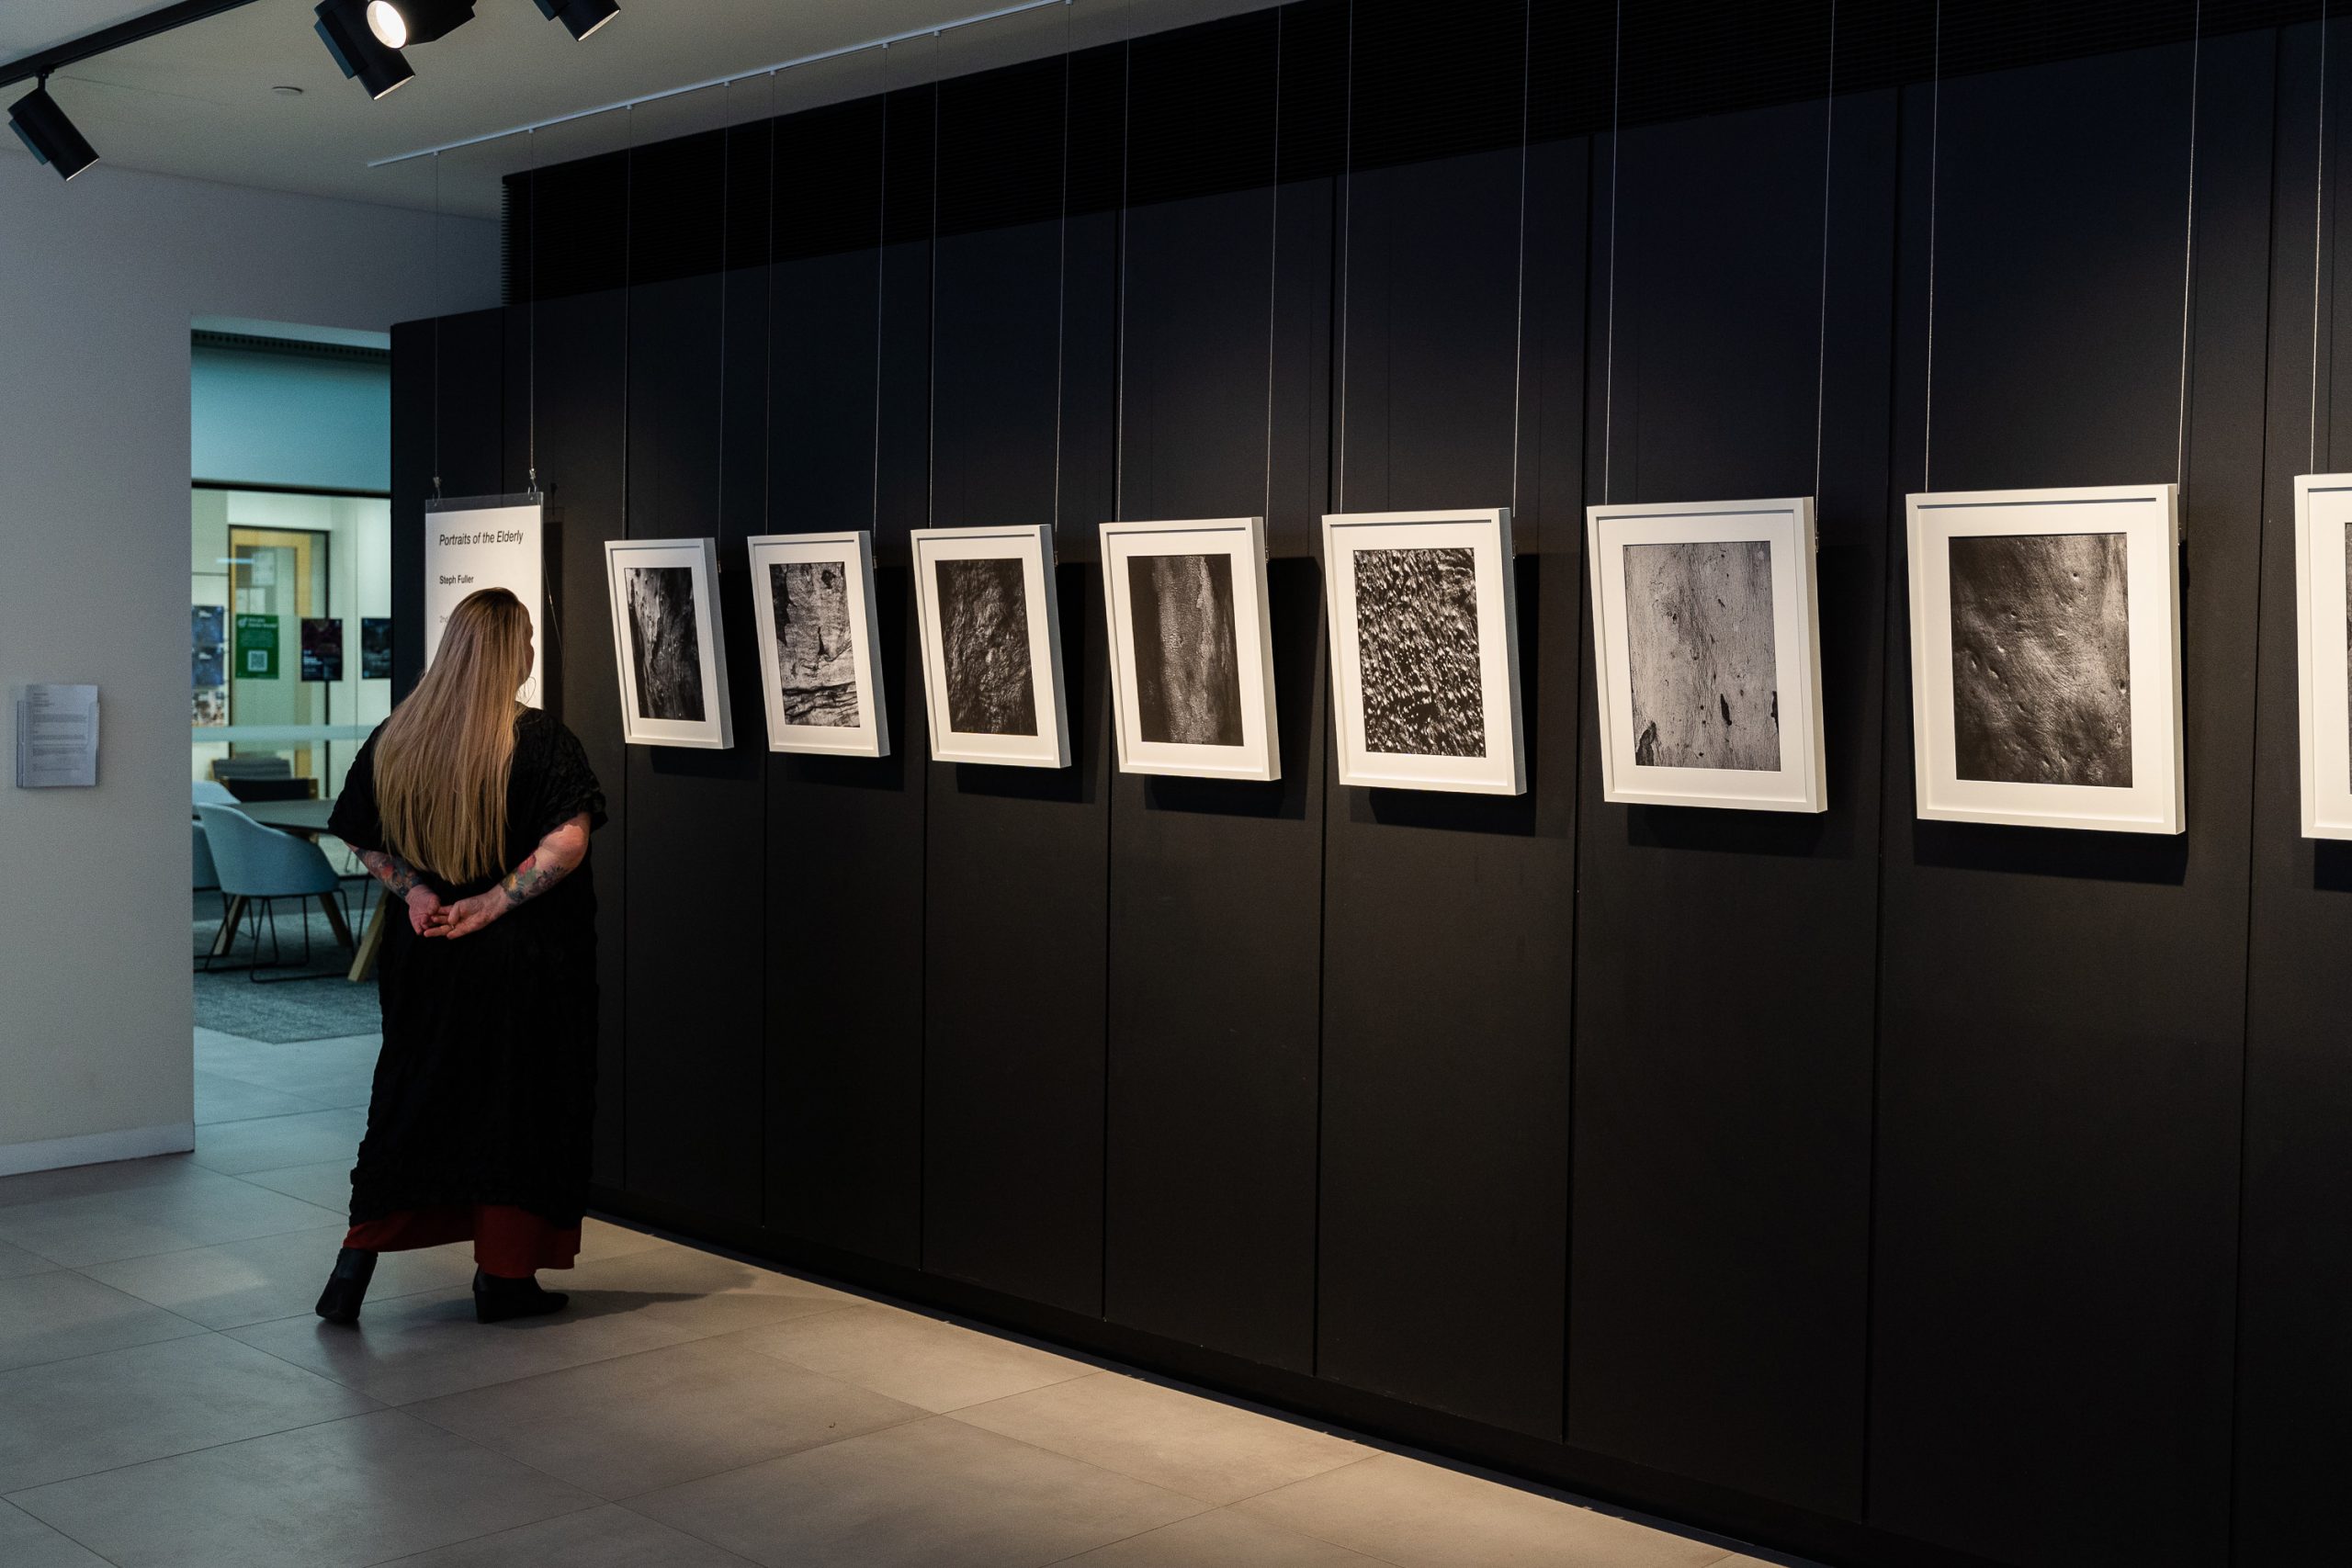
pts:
pixel 167 1401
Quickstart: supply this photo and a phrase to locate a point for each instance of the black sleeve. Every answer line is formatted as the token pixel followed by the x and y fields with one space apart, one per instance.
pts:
pixel 567 785
pixel 355 819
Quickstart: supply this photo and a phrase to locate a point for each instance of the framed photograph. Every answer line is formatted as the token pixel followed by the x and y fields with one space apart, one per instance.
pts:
pixel 1191 655
pixel 2045 656
pixel 820 656
pixel 1707 640
pixel 2324 651
pixel 667 642
pixel 1424 650
pixel 991 646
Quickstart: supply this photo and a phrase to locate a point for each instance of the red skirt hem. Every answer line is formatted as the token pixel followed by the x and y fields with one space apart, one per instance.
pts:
pixel 511 1242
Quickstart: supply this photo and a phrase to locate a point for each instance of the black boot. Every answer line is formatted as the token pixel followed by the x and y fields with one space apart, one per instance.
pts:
pixel 347 1286
pixel 497 1299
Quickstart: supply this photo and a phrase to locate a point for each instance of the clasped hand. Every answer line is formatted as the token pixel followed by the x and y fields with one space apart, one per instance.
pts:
pixel 428 916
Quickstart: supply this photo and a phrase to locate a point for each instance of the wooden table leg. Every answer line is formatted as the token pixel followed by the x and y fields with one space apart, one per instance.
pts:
pixel 225 942
pixel 335 920
pixel 363 963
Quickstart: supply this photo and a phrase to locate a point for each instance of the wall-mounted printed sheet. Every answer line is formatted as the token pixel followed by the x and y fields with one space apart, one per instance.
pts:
pixel 208 664
pixel 376 648
pixel 2045 656
pixel 1706 645
pixel 469 547
pixel 1191 655
pixel 322 649
pixel 991 646
pixel 667 642
pixel 2324 651
pixel 1424 650
pixel 820 656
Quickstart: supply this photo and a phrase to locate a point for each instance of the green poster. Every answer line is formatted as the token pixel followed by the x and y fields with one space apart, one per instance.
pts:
pixel 257 648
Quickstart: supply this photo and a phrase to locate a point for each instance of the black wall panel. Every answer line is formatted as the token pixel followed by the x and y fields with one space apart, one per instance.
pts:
pixel 1721 1230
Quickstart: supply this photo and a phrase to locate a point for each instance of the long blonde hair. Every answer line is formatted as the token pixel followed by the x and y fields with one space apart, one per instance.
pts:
pixel 443 757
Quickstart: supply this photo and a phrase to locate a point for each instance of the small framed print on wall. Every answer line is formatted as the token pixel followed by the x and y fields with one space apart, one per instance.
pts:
pixel 2045 656
pixel 666 642
pixel 991 646
pixel 1424 650
pixel 1191 655
pixel 1706 641
pixel 821 672
pixel 2324 651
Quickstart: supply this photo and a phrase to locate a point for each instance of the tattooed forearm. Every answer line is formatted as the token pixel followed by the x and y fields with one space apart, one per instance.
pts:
pixel 533 877
pixel 391 871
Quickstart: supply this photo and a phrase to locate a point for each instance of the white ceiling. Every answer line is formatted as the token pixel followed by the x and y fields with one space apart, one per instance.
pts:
pixel 198 102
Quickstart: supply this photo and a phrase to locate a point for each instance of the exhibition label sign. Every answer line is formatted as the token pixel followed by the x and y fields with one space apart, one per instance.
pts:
pixel 467 549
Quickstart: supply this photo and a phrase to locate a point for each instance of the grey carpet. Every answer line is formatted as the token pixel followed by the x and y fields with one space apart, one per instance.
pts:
pixel 322 1006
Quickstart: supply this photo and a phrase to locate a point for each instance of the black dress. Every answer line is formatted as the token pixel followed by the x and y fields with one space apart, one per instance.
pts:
pixel 486 1086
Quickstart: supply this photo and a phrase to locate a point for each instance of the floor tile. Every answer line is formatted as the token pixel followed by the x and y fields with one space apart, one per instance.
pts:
pixel 908 1356
pixel 342 1494
pixel 219 1097
pixel 198 1209
pixel 59 1314
pixel 1222 1539
pixel 82 1181
pixel 326 1184
pixel 930 1492
pixel 94 1413
pixel 15 1262
pixel 609 1537
pixel 273 1142
pixel 1423 1515
pixel 239 1282
pixel 1199 1446
pixel 692 1294
pixel 600 1240
pixel 655 1419
pixel 418 1347
pixel 26 1543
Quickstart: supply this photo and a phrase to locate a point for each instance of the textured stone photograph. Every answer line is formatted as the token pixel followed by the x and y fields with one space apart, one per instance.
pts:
pixel 1699 640
pixel 984 643
pixel 2041 659
pixel 816 660
pixel 1417 637
pixel 665 648
pixel 1188 655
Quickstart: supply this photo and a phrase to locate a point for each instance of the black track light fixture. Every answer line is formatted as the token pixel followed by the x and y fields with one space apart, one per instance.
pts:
pixel 47 134
pixel 399 23
pixel 345 27
pixel 580 18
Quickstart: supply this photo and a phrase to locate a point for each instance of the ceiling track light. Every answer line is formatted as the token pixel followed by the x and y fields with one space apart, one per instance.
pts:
pixel 580 18
pixel 343 27
pixel 48 135
pixel 399 23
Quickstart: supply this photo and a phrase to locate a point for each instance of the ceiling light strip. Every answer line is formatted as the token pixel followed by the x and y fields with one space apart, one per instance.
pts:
pixel 846 50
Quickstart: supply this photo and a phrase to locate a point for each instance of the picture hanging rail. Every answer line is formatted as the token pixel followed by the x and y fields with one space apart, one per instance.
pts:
pixel 1706 645
pixel 991 646
pixel 1424 650
pixel 667 643
pixel 2324 651
pixel 819 658
pixel 1192 654
pixel 2045 656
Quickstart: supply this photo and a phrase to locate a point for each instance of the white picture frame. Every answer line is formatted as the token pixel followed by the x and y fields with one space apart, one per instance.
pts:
pixel 992 681
pixel 1192 651
pixel 2323 670
pixel 1737 724
pixel 675 585
pixel 2069 714
pixel 1472 744
pixel 825 699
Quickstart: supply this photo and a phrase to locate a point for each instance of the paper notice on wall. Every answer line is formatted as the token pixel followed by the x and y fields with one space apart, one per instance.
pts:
pixel 470 548
pixel 57 737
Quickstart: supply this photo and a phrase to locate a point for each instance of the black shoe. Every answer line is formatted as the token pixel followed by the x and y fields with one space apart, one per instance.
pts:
pixel 347 1286
pixel 496 1299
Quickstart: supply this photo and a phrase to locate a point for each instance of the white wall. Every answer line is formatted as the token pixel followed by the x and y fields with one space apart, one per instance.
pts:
pixel 281 419
pixel 100 281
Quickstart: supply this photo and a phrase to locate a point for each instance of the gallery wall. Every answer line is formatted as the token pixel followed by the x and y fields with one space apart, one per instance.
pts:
pixel 1884 1191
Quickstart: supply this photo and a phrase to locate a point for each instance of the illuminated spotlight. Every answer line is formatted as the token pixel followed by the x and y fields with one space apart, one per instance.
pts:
pixel 343 27
pixel 42 127
pixel 400 23
pixel 581 18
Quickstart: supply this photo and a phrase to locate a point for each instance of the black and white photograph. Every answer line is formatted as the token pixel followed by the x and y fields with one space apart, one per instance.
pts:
pixel 2041 659
pixel 1425 650
pixel 667 643
pixel 990 630
pixel 812 595
pixel 1699 647
pixel 2324 651
pixel 1192 666
pixel 1705 636
pixel 2045 657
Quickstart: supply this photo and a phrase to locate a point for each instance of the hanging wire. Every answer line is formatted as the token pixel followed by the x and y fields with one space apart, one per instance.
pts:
pixel 881 276
pixel 1061 301
pixel 1608 360
pixel 1518 326
pixel 1828 150
pixel 1935 151
pixel 1347 250
pixel 726 225
pixel 531 353
pixel 768 340
pixel 1273 262
pixel 2189 247
pixel 2319 208
pixel 628 295
pixel 441 278
pixel 931 413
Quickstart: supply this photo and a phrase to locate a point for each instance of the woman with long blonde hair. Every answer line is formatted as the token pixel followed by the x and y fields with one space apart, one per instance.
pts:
pixel 474 811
